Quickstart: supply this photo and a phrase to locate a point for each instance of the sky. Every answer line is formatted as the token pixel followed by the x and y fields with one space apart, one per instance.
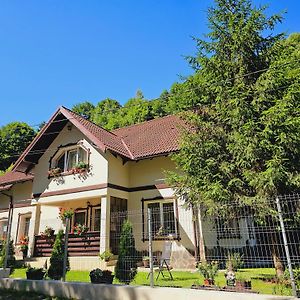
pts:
pixel 63 52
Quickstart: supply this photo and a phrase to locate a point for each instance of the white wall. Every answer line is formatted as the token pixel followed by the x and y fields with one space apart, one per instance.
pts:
pixel 98 166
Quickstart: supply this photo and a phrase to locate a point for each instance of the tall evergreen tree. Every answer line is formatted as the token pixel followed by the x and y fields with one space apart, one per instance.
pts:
pixel 227 157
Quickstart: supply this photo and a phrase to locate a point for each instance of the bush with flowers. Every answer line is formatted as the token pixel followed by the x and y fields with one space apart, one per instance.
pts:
pixel 80 229
pixel 23 242
pixel 65 213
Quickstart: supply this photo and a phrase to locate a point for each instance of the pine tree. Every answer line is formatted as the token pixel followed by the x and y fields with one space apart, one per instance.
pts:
pixel 126 267
pixel 236 153
pixel 57 258
pixel 11 260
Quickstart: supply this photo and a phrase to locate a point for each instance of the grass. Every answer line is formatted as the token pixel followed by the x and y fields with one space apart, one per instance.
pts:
pixel 187 279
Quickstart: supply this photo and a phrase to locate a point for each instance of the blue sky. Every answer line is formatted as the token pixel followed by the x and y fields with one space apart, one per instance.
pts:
pixel 62 52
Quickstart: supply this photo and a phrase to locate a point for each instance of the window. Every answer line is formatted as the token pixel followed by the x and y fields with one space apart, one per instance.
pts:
pixel 3 229
pixel 79 218
pixel 227 229
pixel 163 221
pixel 69 157
pixel 96 219
pixel 24 226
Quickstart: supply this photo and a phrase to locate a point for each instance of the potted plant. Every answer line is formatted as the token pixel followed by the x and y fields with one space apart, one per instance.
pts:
pixel 81 167
pixel 24 246
pixel 48 232
pixel 106 255
pixel 65 213
pixel 80 229
pixel 54 172
pixel 35 273
pixel 99 276
pixel 146 261
pixel 209 272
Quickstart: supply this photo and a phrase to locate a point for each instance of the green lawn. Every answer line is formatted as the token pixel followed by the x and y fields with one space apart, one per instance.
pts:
pixel 187 279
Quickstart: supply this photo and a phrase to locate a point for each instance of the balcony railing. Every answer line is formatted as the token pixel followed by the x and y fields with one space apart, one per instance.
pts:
pixel 87 244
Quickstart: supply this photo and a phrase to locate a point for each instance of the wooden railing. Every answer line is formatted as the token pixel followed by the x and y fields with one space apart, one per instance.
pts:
pixel 86 245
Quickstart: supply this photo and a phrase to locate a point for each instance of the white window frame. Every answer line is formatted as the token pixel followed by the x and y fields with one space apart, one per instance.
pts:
pixel 21 226
pixel 93 217
pixel 65 151
pixel 161 212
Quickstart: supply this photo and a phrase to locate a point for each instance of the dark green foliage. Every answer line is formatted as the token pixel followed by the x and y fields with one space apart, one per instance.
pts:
pixel 84 109
pixel 126 267
pixel 221 159
pixel 11 261
pixel 57 258
pixel 14 138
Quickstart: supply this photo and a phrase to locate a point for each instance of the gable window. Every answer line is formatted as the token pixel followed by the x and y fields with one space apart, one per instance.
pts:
pixel 228 229
pixel 70 157
pixel 163 219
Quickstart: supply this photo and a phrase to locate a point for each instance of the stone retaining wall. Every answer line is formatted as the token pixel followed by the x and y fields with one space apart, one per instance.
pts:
pixel 88 291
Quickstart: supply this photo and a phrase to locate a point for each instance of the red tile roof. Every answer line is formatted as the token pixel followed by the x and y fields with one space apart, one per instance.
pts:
pixel 148 139
pixel 14 177
pixel 152 138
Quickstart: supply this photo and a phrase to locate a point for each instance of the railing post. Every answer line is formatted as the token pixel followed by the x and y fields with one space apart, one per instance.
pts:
pixel 286 247
pixel 150 247
pixel 66 249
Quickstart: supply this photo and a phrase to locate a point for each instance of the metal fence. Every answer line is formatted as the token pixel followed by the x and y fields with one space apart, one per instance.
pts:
pixel 165 243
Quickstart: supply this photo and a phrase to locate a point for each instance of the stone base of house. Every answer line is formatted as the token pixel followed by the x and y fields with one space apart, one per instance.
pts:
pixel 78 263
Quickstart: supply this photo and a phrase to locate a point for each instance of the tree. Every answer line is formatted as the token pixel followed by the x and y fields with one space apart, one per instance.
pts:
pixel 136 110
pixel 84 109
pixel 14 138
pixel 226 158
pixel 126 267
pixel 106 113
pixel 11 260
pixel 57 258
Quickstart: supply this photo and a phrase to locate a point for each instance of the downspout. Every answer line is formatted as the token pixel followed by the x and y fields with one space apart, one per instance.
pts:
pixel 10 214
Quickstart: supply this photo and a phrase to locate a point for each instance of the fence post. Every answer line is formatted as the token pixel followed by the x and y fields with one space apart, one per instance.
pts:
pixel 66 249
pixel 7 245
pixel 150 247
pixel 286 247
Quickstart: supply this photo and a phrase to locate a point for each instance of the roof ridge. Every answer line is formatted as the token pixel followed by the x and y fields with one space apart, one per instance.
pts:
pixel 89 121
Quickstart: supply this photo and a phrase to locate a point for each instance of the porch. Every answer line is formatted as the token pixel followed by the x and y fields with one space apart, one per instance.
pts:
pixel 102 228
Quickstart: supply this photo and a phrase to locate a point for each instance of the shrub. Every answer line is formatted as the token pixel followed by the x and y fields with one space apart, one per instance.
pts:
pixel 209 270
pixel 99 276
pixel 11 261
pixel 234 261
pixel 57 258
pixel 106 255
pixel 126 267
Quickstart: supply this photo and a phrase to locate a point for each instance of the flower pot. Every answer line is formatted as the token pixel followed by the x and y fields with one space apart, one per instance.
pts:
pixel 243 284
pixel 209 282
pixel 35 275
pixel 108 279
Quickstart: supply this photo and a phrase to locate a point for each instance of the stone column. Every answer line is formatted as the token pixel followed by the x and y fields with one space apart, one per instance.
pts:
pixel 105 224
pixel 33 228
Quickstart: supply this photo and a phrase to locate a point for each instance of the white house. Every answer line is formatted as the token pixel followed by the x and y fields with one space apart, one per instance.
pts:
pixel 121 174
